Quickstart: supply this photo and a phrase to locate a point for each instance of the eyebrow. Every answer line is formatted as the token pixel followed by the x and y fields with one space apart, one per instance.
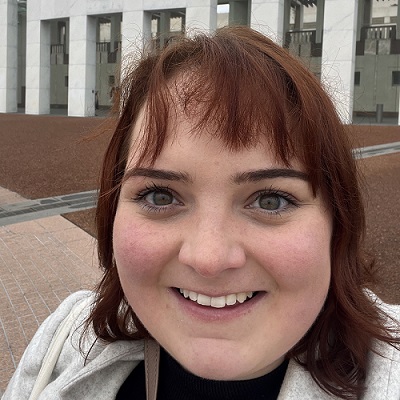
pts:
pixel 249 176
pixel 260 174
pixel 157 174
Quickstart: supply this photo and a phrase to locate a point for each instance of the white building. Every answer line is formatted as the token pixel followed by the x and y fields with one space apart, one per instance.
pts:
pixel 68 53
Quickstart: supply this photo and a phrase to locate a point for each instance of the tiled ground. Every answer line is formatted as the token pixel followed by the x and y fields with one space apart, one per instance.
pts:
pixel 41 263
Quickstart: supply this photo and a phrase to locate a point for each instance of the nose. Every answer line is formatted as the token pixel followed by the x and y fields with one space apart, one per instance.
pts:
pixel 211 246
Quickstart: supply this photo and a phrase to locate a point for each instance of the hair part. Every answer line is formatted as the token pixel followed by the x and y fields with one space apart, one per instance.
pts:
pixel 247 87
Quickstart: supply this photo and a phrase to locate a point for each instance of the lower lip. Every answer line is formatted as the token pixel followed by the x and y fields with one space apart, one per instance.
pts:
pixel 212 314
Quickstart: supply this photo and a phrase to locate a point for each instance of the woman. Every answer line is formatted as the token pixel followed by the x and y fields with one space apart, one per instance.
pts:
pixel 230 227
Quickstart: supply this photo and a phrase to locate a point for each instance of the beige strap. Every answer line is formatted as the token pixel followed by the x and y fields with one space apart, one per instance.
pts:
pixel 56 345
pixel 151 364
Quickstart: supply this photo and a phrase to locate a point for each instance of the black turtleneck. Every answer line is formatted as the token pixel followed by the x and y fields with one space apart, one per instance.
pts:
pixel 175 383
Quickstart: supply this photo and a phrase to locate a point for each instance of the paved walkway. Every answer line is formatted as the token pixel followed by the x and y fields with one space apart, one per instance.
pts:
pixel 27 210
pixel 41 263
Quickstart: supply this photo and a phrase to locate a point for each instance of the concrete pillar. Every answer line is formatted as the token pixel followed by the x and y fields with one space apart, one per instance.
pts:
pixel 37 64
pixel 66 44
pixel 320 21
pixel 239 13
pixel 286 18
pixel 267 17
pixel 398 37
pixel 364 17
pixel 82 66
pixel 367 12
pixel 165 27
pixel 201 15
pixel 338 61
pixel 8 55
pixel 398 23
pixel 135 31
pixel 299 17
pixel 360 18
pixel 135 34
pixel 115 31
pixel 21 85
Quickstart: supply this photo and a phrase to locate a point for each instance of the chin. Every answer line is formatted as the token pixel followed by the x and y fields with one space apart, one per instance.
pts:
pixel 222 370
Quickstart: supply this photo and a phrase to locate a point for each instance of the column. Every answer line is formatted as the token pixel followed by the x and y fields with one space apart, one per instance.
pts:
pixel 267 16
pixel 398 37
pixel 66 44
pixel 201 15
pixel 398 23
pixel 165 27
pixel 299 17
pixel 320 21
pixel 239 13
pixel 135 32
pixel 115 31
pixel 338 53
pixel 37 64
pixel 82 66
pixel 8 55
pixel 286 19
pixel 364 16
pixel 21 80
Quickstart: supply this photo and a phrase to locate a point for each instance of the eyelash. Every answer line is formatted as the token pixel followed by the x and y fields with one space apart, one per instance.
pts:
pixel 292 201
pixel 151 188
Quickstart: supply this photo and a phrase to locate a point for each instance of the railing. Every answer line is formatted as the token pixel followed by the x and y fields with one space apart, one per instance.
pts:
pixel 303 43
pixel 110 57
pixel 59 55
pixel 57 48
pixel 299 37
pixel 103 47
pixel 379 32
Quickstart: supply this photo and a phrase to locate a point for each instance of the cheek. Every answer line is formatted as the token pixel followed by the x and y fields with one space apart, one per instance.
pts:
pixel 300 258
pixel 138 250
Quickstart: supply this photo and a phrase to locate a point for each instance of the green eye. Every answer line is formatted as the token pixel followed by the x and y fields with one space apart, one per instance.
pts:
pixel 160 198
pixel 271 202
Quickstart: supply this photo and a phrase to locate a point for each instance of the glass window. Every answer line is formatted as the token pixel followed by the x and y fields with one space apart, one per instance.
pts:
pixel 395 78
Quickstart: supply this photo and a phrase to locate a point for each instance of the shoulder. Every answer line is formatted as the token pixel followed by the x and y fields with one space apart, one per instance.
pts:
pixel 390 311
pixel 382 380
pixel 383 372
pixel 29 366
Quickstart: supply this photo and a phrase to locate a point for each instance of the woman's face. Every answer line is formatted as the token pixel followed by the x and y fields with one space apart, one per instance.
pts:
pixel 224 256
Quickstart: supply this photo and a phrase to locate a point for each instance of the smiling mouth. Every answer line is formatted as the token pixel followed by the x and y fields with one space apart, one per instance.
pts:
pixel 217 302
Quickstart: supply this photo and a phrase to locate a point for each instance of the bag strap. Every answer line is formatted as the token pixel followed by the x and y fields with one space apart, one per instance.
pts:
pixel 54 350
pixel 151 364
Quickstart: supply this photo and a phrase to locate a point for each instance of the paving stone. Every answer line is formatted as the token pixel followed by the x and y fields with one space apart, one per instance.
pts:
pixel 41 263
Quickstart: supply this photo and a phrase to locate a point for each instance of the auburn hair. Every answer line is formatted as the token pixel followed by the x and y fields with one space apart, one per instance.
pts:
pixel 248 87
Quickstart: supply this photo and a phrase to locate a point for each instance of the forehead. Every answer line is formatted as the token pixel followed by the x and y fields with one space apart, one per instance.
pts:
pixel 185 137
pixel 192 103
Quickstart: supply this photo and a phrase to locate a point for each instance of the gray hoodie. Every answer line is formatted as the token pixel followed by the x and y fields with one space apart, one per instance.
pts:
pixel 109 364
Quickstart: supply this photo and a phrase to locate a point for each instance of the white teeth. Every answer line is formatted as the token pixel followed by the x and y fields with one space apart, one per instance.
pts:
pixel 241 297
pixel 204 300
pixel 193 296
pixel 216 302
pixel 230 299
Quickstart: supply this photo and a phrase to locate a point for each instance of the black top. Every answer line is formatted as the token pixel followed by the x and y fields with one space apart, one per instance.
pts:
pixel 175 383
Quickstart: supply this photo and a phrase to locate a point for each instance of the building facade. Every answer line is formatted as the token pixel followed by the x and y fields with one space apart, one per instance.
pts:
pixel 70 54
